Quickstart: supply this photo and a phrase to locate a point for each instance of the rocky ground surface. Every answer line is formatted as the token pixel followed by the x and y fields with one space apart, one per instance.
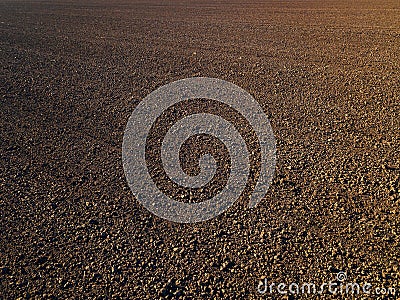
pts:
pixel 326 74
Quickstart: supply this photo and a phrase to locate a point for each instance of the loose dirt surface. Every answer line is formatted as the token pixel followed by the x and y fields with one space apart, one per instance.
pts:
pixel 326 74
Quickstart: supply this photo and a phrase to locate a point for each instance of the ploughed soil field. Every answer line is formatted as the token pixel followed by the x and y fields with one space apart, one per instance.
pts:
pixel 326 73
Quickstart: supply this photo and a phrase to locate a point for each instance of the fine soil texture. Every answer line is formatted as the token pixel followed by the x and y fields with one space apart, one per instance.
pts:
pixel 327 75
